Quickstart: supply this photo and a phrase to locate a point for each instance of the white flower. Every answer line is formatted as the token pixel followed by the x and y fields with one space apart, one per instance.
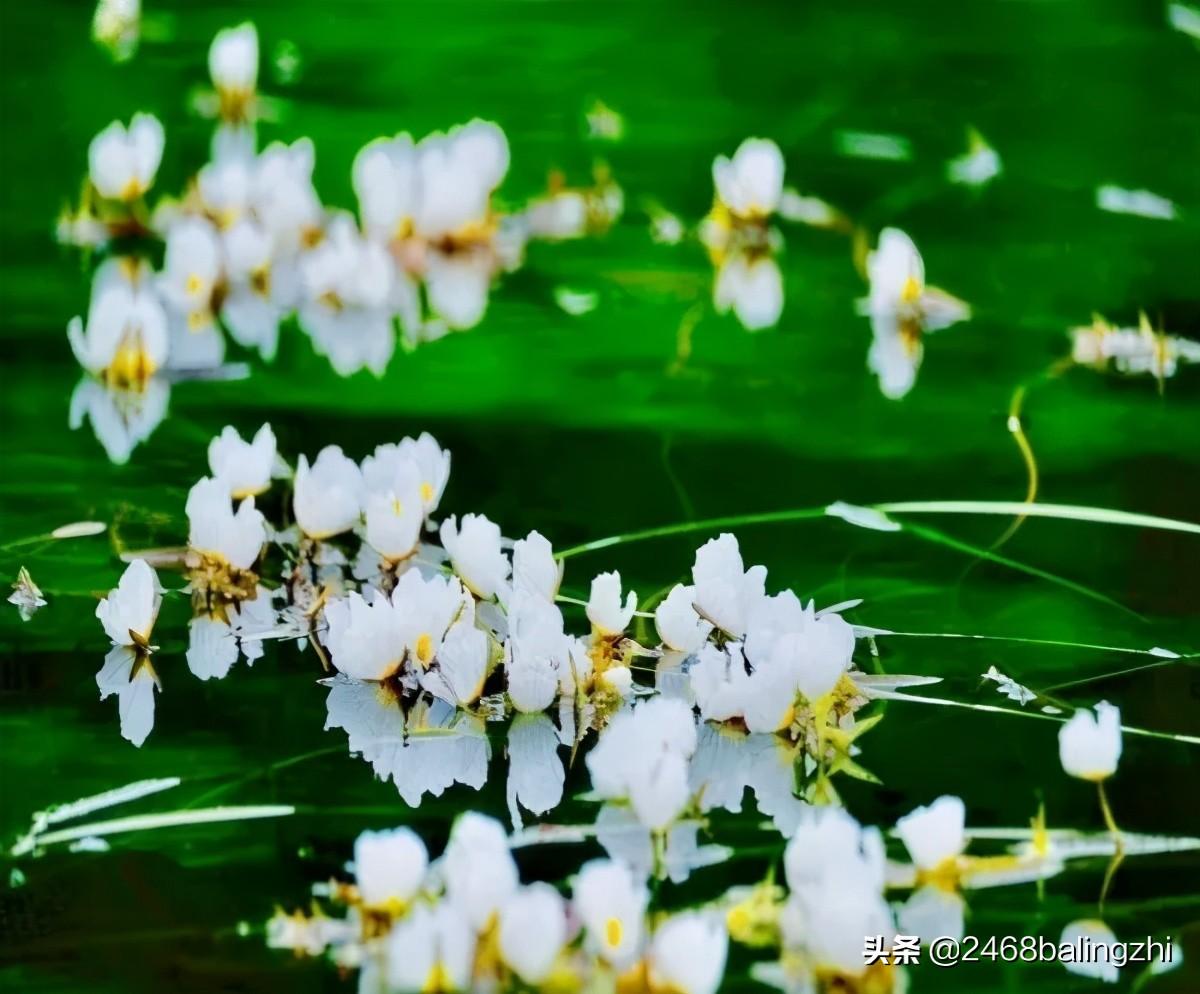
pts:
pixel 678 624
pixel 125 340
pixel 934 834
pixel 394 511
pixel 431 950
pixel 829 845
pixel 384 176
pixel 433 467
pixel 129 611
pixel 822 653
pixel 461 666
pixel 478 867
pixel 122 162
pixel 752 287
pixel 457 173
pixel 604 608
pixel 215 530
pixel 233 65
pixel 978 166
pixel 534 568
pixel 244 467
pixel 389 866
pixel 687 953
pixel 533 931
pixel 612 907
pixel 898 291
pixel 425 609
pixel 26 595
pixel 726 592
pixel 117 25
pixel 835 870
pixel 191 270
pixel 328 496
pixel 475 554
pixel 262 288
pixel 751 183
pixel 1089 936
pixel 285 202
pixel 535 653
pixel 364 639
pixel 1090 746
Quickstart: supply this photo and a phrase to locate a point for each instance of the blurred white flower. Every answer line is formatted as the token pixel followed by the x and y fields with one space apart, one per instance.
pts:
pixel 116 25
pixel 1089 746
pixel 431 949
pixel 478 868
pixel 978 166
pixel 687 953
pixel 750 285
pixel 898 291
pixel 125 340
pixel 233 65
pixel 26 595
pixel 612 906
pixel 750 184
pixel 389 867
pixel 934 834
pixel 532 931
pixel 122 162
pixel 1090 936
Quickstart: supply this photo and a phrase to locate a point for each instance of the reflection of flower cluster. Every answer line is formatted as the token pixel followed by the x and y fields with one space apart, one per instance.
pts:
pixel 466 922
pixel 250 244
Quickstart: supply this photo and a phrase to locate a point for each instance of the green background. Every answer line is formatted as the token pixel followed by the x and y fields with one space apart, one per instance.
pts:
pixel 575 427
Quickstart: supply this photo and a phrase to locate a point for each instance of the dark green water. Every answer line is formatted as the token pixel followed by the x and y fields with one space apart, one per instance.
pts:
pixel 573 426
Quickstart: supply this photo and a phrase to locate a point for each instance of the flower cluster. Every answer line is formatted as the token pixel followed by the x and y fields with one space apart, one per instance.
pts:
pixel 1131 351
pixel 250 244
pixel 435 625
pixel 466 922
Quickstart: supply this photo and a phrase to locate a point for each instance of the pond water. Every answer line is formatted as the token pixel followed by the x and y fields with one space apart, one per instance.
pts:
pixel 587 426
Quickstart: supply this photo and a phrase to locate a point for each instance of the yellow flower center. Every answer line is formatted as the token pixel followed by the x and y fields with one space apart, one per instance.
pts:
pixel 613 931
pixel 438 979
pixel 397 507
pixel 425 649
pixel 131 365
pixel 193 285
pixel 426 492
pixel 197 321
pixel 910 293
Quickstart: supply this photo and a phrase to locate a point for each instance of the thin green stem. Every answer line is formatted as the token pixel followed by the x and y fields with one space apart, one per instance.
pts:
pixel 1070 512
